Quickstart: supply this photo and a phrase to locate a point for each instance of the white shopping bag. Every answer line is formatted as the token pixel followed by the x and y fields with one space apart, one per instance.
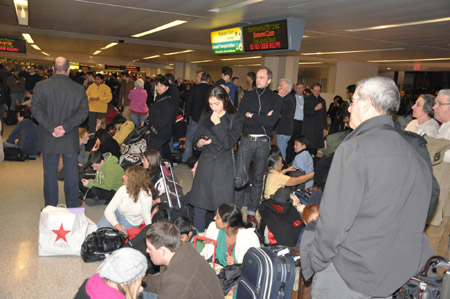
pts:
pixel 61 232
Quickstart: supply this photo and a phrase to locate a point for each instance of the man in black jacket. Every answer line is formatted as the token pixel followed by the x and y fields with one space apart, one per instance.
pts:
pixel 285 124
pixel 60 106
pixel 261 108
pixel 194 106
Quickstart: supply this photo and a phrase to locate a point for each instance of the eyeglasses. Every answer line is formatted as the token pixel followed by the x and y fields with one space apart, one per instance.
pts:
pixel 441 104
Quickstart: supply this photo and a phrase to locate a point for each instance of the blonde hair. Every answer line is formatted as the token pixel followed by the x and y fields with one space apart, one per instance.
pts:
pixel 102 120
pixel 129 290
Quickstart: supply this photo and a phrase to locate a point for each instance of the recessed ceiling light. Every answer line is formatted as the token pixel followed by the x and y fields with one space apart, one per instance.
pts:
pixel 160 28
pixel 354 51
pixel 201 61
pixel 388 68
pixel 151 57
pixel 96 52
pixel 28 38
pixel 21 7
pixel 171 64
pixel 411 60
pixel 36 47
pixel 241 58
pixel 234 6
pixel 311 62
pixel 45 53
pixel 400 25
pixel 180 52
pixel 255 64
pixel 109 46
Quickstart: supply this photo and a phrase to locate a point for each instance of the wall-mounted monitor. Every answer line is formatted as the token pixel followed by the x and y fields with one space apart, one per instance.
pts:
pixel 12 45
pixel 227 41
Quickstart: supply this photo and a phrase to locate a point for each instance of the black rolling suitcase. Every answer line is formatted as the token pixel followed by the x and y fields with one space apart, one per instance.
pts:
pixel 266 273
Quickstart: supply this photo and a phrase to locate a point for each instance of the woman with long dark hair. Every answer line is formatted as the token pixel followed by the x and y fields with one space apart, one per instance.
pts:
pixel 233 236
pixel 218 130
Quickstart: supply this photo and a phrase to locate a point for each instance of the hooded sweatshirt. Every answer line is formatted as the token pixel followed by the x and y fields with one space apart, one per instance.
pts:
pixel 96 288
pixel 109 177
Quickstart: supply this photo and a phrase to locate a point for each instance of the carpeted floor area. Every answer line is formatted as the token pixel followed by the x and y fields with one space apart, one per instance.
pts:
pixel 24 274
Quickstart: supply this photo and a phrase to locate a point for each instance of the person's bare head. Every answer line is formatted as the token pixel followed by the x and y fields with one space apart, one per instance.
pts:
pixel 61 66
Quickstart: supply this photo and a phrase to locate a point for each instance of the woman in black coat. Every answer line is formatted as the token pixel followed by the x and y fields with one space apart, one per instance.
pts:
pixel 218 130
pixel 161 118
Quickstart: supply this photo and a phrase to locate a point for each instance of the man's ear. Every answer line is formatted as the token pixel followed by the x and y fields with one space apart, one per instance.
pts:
pixel 269 81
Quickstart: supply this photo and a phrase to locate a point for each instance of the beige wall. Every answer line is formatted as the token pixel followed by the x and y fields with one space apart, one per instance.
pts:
pixel 350 72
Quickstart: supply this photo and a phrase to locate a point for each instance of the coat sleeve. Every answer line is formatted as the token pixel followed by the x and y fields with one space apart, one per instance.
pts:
pixel 247 239
pixel 266 120
pixel 37 109
pixel 332 227
pixel 105 94
pixel 114 205
pixel 308 106
pixel 211 232
pixel 324 113
pixel 226 136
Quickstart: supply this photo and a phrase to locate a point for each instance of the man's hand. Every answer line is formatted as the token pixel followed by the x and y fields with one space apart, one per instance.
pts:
pixel 248 114
pixel 85 182
pixel 318 106
pixel 58 132
pixel 270 113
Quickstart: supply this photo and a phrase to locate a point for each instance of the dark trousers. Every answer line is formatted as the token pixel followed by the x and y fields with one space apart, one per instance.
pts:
pixel 202 218
pixel 290 152
pixel 258 151
pixel 97 193
pixel 50 163
pixel 93 120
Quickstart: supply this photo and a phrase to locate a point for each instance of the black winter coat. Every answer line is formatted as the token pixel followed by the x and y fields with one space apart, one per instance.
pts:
pixel 214 180
pixel 59 101
pixel 160 116
pixel 314 122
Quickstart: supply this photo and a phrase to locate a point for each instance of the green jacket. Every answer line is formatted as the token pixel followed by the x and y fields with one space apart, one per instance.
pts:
pixel 109 177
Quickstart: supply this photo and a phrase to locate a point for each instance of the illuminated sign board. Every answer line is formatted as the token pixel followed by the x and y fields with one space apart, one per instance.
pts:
pixel 113 67
pixel 266 37
pixel 13 45
pixel 227 41
pixel 132 68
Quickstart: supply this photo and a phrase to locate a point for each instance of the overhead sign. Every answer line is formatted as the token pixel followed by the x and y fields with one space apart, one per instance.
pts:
pixel 132 68
pixel 267 36
pixel 227 41
pixel 113 67
pixel 13 45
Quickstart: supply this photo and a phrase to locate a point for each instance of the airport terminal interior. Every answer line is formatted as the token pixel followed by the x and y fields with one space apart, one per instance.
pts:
pixel 332 42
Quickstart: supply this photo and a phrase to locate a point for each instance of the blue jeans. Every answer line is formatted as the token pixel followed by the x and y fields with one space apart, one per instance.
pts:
pixel 282 141
pixel 120 218
pixel 190 134
pixel 50 163
pixel 7 144
pixel 258 151
pixel 148 295
pixel 137 119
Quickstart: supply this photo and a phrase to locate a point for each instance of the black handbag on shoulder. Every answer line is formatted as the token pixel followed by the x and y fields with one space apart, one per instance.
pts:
pixel 425 284
pixel 100 243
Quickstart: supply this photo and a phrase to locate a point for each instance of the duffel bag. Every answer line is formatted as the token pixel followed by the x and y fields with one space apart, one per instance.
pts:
pixel 100 243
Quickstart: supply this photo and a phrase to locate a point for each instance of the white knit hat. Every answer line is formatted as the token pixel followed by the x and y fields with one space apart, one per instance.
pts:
pixel 123 266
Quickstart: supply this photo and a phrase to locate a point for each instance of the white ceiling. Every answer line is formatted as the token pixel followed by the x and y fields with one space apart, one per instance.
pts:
pixel 76 28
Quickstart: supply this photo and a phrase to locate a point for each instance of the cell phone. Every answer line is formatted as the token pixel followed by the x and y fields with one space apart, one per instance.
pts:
pixel 205 137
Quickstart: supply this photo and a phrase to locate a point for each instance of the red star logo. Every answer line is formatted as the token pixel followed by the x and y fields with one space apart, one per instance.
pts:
pixel 61 233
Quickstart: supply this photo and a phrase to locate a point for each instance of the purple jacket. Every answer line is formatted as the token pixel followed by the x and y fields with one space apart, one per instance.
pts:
pixel 138 101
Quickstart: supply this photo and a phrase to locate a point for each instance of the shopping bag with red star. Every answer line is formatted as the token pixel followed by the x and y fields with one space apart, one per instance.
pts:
pixel 61 232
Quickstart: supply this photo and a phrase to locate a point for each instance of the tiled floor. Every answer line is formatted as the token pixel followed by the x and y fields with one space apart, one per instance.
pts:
pixel 22 273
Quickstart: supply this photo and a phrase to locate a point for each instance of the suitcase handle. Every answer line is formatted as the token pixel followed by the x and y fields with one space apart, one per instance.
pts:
pixel 207 240
pixel 435 262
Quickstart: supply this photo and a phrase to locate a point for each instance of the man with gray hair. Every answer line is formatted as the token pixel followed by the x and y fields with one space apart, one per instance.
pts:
pixel 60 106
pixel 285 124
pixel 440 221
pixel 369 240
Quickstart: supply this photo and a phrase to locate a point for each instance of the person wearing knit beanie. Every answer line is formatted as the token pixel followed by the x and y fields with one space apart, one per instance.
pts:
pixel 119 276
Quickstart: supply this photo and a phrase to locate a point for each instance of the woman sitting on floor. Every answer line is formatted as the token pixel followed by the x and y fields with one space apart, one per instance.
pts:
pixel 233 236
pixel 131 205
pixel 276 177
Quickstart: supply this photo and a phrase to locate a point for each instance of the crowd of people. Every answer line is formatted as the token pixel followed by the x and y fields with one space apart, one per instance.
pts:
pixel 367 176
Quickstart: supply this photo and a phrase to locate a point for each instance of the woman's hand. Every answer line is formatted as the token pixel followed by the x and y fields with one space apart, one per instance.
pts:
pixel 120 228
pixel 230 260
pixel 215 118
pixel 289 169
pixel 202 142
pixel 194 169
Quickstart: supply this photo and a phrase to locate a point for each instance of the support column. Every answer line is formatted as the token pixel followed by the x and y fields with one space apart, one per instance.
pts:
pixel 179 69
pixel 282 67
pixel 190 71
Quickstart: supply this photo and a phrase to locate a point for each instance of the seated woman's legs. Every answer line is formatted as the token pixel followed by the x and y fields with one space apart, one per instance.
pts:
pixel 103 222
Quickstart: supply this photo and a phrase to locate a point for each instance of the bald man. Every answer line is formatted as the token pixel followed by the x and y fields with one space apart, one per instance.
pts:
pixel 60 106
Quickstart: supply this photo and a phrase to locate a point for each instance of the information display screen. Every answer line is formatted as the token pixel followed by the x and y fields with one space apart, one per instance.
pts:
pixel 227 41
pixel 14 45
pixel 266 36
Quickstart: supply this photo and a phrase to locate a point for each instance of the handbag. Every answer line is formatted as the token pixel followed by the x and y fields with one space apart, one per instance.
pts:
pixel 229 277
pixel 437 148
pixel 426 283
pixel 61 232
pixel 100 243
pixel 241 179
pixel 14 154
